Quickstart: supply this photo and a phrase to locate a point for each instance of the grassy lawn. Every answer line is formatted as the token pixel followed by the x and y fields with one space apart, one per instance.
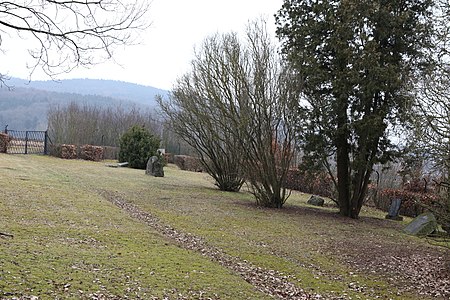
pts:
pixel 71 242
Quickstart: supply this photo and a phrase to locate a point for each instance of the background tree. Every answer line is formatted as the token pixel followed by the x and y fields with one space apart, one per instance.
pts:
pixel 137 145
pixel 171 141
pixel 355 59
pixel 62 35
pixel 431 110
pixel 235 108
pixel 430 118
pixel 81 124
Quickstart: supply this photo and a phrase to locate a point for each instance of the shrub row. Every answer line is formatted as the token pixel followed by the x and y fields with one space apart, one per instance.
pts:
pixel 86 152
pixel 89 152
pixel 68 151
pixel 188 163
pixel 318 183
pixel 412 202
pixel 4 141
pixel 169 158
pixel 311 183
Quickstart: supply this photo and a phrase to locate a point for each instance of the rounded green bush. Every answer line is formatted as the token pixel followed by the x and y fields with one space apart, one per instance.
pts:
pixel 137 145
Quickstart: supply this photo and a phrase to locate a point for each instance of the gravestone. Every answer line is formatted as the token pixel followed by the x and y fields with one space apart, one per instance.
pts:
pixel 422 225
pixel 394 209
pixel 118 165
pixel 315 200
pixel 155 167
pixel 150 162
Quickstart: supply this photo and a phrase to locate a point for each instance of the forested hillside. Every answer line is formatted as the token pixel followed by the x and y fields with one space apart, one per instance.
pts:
pixel 106 88
pixel 24 106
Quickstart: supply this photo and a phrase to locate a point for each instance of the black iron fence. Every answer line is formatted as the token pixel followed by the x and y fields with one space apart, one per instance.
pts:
pixel 27 142
pixel 38 142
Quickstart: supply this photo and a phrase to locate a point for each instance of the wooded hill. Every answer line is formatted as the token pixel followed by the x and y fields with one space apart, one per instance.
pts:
pixel 24 106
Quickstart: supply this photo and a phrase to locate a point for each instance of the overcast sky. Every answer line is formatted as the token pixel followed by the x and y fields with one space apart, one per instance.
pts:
pixel 168 45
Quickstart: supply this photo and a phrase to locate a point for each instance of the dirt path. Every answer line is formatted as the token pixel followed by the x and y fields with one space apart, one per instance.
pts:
pixel 269 282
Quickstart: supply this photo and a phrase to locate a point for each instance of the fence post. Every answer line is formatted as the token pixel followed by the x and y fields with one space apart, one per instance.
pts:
pixel 45 142
pixel 26 142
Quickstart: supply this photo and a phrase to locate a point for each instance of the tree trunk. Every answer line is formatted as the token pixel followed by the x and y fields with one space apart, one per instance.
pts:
pixel 447 202
pixel 360 190
pixel 343 181
pixel 343 160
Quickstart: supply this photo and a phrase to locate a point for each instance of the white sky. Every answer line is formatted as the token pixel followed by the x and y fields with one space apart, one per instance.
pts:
pixel 168 45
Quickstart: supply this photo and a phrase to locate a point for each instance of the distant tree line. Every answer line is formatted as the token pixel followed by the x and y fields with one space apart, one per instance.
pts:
pixel 26 108
pixel 96 125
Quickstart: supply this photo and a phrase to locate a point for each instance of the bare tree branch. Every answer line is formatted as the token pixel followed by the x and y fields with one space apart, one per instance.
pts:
pixel 63 35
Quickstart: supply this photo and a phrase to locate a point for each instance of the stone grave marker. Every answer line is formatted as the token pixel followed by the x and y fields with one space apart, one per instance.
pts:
pixel 422 225
pixel 394 209
pixel 155 167
pixel 315 200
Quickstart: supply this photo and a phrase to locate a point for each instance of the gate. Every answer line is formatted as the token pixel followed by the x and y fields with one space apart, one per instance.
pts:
pixel 27 142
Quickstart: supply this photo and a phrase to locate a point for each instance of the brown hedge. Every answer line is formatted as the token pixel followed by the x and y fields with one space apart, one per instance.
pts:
pixel 311 183
pixel 188 163
pixel 4 141
pixel 169 158
pixel 69 151
pixel 412 202
pixel 93 153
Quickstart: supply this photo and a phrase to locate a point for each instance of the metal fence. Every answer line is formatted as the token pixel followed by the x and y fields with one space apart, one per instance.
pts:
pixel 27 142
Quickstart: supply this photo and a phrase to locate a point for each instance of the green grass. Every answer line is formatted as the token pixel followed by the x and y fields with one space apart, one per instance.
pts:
pixel 70 242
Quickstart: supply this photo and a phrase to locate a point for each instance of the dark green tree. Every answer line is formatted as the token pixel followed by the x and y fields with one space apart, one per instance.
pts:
pixel 137 145
pixel 356 59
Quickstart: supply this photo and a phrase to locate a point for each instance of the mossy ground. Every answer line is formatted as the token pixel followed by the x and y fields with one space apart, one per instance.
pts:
pixel 70 242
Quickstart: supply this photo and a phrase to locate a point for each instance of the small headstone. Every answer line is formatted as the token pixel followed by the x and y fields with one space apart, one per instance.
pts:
pixel 317 201
pixel 155 167
pixel 149 168
pixel 394 209
pixel 422 225
pixel 118 165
